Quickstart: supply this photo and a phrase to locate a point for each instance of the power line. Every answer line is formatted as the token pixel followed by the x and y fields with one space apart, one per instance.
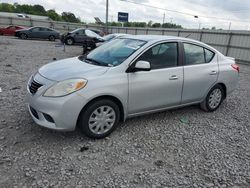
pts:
pixel 184 13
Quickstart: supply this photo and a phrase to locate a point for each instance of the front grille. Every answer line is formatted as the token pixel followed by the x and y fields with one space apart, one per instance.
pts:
pixel 34 86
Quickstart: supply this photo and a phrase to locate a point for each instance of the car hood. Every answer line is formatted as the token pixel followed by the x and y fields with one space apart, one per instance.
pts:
pixel 70 68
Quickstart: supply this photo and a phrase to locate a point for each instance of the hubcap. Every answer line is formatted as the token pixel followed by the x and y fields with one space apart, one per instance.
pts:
pixel 215 98
pixel 102 119
pixel 70 41
pixel 23 36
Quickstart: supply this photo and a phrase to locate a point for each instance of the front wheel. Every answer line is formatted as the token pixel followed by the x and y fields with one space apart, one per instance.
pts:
pixel 69 41
pixel 23 36
pixel 213 100
pixel 99 119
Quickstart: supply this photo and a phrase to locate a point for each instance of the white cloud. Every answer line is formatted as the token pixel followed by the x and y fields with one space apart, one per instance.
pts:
pixel 88 9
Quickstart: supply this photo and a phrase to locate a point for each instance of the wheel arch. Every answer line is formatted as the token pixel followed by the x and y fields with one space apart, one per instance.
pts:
pixel 224 88
pixel 110 97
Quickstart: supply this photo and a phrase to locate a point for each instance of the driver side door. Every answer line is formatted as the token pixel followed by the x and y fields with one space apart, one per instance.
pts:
pixel 161 87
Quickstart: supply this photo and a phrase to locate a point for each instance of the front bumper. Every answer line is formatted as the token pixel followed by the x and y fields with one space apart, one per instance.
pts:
pixel 57 113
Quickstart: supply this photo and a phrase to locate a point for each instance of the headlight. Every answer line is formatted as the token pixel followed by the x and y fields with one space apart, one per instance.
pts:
pixel 65 87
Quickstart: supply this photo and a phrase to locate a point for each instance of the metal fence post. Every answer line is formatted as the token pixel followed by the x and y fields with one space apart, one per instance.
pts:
pixel 179 33
pixel 11 21
pixel 163 31
pixel 229 42
pixel 201 35
pixel 31 22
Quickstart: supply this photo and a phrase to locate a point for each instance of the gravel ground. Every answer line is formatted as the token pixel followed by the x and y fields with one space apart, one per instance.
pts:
pixel 177 148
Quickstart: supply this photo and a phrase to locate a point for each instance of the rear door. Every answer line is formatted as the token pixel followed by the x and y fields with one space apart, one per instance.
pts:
pixel 161 86
pixel 200 72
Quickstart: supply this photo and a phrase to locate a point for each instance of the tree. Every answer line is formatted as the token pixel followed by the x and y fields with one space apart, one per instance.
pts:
pixel 39 10
pixel 6 7
pixel 155 25
pixel 53 15
pixel 171 25
pixel 69 17
pixel 150 23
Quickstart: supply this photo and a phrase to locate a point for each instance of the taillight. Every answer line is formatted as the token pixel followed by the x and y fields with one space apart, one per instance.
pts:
pixel 236 67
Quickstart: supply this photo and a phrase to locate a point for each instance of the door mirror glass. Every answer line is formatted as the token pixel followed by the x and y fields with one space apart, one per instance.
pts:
pixel 142 66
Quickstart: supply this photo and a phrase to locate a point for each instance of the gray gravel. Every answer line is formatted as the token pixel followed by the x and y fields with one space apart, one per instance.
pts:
pixel 177 148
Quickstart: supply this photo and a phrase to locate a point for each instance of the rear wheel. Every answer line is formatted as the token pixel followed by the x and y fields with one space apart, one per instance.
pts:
pixel 213 100
pixel 69 41
pixel 99 119
pixel 52 38
pixel 23 36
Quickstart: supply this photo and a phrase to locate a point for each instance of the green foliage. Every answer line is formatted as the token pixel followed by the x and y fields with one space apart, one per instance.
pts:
pixel 70 17
pixel 5 7
pixel 156 25
pixel 38 10
pixel 171 25
pixel 53 15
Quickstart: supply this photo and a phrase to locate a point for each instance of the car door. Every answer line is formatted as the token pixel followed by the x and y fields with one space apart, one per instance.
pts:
pixel 34 32
pixel 200 72
pixel 80 36
pixel 161 86
pixel 10 30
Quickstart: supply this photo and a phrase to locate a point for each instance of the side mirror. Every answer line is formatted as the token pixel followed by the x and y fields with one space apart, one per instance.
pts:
pixel 140 66
pixel 77 33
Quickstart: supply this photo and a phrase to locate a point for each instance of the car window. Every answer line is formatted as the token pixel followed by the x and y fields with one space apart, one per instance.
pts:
pixel 35 29
pixel 194 54
pixel 43 29
pixel 161 56
pixel 81 31
pixel 209 55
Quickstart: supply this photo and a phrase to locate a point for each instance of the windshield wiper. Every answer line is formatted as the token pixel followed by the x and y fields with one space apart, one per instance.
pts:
pixel 95 62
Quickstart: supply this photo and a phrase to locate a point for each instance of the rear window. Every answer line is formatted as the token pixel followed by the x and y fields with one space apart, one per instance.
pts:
pixel 209 55
pixel 195 54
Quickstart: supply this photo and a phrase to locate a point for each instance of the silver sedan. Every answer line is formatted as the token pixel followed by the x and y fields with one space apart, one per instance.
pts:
pixel 127 77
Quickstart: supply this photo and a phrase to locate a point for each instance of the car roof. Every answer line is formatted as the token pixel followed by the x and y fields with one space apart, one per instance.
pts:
pixel 158 38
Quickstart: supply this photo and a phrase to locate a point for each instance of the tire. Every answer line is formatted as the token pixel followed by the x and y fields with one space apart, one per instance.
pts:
pixel 69 41
pixel 93 121
pixel 213 99
pixel 52 38
pixel 23 36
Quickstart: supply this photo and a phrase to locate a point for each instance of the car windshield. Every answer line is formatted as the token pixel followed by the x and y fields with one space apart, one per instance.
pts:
pixel 92 34
pixel 113 53
pixel 109 37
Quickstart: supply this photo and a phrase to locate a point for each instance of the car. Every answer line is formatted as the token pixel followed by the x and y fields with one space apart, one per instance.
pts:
pixel 128 77
pixel 91 44
pixel 38 33
pixel 10 30
pixel 79 36
pixel 98 32
pixel 112 36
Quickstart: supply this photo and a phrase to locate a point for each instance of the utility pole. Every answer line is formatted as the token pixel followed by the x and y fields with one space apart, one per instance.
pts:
pixel 107 15
pixel 229 26
pixel 163 21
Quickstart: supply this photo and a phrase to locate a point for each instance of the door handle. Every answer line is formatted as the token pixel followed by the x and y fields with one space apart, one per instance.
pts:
pixel 173 77
pixel 213 73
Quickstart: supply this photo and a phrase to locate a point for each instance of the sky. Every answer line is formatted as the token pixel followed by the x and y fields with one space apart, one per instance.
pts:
pixel 218 13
